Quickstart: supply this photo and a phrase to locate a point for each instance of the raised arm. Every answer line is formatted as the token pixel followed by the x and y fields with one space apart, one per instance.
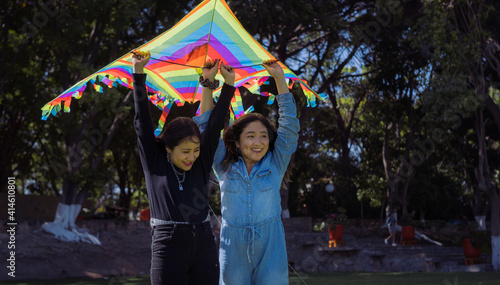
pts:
pixel 212 122
pixel 219 114
pixel 288 124
pixel 142 120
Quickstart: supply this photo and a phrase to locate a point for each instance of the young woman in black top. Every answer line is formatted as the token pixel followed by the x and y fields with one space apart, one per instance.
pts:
pixel 176 167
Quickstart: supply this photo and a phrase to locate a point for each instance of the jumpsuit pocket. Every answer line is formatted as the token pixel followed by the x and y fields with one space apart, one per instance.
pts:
pixel 233 177
pixel 265 183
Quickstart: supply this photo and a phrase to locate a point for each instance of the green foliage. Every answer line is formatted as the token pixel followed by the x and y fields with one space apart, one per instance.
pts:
pixel 48 46
pixel 410 74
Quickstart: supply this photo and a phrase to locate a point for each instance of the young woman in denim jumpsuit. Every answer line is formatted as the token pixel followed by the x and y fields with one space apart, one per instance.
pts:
pixel 250 166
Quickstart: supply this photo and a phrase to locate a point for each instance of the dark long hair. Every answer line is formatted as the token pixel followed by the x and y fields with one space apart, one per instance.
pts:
pixel 233 132
pixel 178 130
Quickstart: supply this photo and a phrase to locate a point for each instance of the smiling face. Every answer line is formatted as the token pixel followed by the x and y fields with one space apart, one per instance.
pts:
pixel 254 142
pixel 185 153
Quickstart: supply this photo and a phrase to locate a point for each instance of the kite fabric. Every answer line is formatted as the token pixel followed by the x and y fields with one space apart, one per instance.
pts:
pixel 210 31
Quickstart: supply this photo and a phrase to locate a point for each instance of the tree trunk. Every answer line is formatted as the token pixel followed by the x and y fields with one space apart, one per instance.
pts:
pixel 73 198
pixel 494 195
pixel 396 193
pixel 410 161
pixel 489 187
pixel 467 21
pixel 63 227
pixel 404 195
pixel 387 168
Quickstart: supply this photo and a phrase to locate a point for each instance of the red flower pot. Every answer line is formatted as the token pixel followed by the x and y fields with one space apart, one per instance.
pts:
pixel 469 250
pixel 408 233
pixel 336 232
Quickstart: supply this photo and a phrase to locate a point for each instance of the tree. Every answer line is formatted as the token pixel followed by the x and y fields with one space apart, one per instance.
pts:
pixel 466 20
pixel 472 55
pixel 398 75
pixel 321 41
pixel 58 42
pixel 22 71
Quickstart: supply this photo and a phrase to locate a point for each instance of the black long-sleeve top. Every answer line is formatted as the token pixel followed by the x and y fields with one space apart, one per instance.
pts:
pixel 166 201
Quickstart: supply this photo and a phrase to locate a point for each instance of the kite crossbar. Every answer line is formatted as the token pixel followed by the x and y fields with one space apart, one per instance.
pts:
pixel 192 66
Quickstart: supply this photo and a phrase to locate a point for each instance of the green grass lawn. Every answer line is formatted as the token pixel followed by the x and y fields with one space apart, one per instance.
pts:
pixel 341 278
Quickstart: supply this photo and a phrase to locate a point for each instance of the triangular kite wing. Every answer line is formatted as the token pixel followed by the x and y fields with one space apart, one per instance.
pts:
pixel 210 31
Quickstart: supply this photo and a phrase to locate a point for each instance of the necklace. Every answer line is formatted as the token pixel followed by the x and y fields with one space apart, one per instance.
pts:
pixel 177 174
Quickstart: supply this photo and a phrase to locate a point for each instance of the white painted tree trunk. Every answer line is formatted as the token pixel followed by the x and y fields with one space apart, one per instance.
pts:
pixel 481 222
pixel 63 227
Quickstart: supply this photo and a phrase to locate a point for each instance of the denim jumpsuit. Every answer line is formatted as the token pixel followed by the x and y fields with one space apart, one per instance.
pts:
pixel 252 243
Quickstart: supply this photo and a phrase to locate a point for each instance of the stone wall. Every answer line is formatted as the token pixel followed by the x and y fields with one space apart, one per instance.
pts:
pixel 297 224
pixel 94 226
pixel 33 207
pixel 310 252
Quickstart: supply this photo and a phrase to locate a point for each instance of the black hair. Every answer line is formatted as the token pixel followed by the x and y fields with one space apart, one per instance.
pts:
pixel 233 132
pixel 177 130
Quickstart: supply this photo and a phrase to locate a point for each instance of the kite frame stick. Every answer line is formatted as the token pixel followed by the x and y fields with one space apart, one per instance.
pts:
pixel 193 66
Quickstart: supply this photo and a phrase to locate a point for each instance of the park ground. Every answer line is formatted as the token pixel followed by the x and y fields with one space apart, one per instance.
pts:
pixel 123 258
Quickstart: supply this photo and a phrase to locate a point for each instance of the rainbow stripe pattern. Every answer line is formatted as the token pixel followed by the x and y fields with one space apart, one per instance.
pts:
pixel 210 31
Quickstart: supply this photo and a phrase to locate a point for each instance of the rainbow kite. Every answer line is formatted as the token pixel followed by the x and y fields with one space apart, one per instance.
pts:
pixel 210 31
